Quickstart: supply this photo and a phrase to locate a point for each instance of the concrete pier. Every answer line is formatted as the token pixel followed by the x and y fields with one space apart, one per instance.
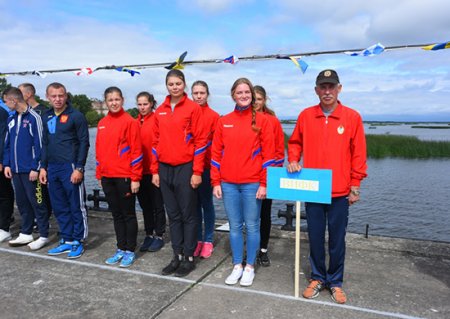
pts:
pixel 384 277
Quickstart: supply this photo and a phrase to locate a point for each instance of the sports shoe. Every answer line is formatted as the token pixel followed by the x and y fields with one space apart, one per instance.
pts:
pixel 146 244
pixel 38 243
pixel 116 258
pixel 198 249
pixel 21 240
pixel 338 295
pixel 247 276
pixel 62 248
pixel 186 267
pixel 4 235
pixel 313 289
pixel 207 250
pixel 156 245
pixel 77 250
pixel 263 258
pixel 128 259
pixel 235 275
pixel 173 265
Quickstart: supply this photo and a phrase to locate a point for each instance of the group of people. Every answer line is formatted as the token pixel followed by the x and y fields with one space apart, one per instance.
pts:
pixel 174 158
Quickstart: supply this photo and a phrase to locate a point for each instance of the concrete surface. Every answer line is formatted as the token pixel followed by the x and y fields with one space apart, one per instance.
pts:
pixel 385 277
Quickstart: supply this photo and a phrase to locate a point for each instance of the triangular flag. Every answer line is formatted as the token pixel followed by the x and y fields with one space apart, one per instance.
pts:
pixel 132 72
pixel 438 46
pixel 178 64
pixel 370 51
pixel 231 59
pixel 40 74
pixel 302 65
pixel 84 71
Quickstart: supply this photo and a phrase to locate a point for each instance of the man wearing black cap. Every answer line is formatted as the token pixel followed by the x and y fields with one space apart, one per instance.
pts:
pixel 329 136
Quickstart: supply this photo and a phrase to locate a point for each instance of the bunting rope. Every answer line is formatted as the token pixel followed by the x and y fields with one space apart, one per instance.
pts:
pixel 180 63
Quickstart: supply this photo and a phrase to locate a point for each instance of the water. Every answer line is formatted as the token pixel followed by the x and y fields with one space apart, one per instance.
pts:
pixel 400 198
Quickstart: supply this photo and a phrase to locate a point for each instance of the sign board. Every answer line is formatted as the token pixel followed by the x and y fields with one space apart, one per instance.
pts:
pixel 308 185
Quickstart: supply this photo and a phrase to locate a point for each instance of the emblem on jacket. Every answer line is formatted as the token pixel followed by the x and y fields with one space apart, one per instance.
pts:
pixel 64 118
pixel 340 129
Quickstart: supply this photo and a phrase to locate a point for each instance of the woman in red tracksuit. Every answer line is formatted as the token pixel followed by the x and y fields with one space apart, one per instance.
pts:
pixel 266 207
pixel 242 148
pixel 119 170
pixel 179 146
pixel 149 195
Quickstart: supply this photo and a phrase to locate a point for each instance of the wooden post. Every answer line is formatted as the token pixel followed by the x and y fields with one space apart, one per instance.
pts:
pixel 297 250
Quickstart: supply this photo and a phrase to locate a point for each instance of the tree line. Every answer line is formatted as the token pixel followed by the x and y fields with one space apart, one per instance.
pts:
pixel 79 101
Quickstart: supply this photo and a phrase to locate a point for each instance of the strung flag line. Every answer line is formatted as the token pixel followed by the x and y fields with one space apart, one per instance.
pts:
pixel 180 63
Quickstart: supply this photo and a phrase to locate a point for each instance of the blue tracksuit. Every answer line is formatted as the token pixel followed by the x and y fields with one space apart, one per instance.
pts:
pixel 22 154
pixel 66 145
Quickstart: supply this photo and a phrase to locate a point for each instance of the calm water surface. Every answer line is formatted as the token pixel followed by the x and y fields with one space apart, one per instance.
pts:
pixel 400 198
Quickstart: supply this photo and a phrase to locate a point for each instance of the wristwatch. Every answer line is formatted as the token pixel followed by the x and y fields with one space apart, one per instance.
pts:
pixel 80 169
pixel 355 192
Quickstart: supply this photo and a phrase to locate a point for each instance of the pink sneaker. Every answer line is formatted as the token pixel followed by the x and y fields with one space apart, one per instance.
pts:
pixel 207 250
pixel 198 249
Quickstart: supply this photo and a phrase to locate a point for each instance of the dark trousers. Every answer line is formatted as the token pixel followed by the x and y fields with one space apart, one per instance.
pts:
pixel 151 201
pixel 122 204
pixel 180 200
pixel 266 222
pixel 68 202
pixel 6 202
pixel 31 204
pixel 318 217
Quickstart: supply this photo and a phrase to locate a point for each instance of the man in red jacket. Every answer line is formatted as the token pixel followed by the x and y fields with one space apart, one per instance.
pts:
pixel 329 136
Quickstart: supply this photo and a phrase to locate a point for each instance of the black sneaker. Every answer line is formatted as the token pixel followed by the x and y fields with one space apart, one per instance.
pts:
pixel 146 244
pixel 185 268
pixel 263 259
pixel 173 266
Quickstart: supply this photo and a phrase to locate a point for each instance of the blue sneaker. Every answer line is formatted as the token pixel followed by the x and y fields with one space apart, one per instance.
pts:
pixel 156 245
pixel 116 258
pixel 128 259
pixel 60 249
pixel 77 250
pixel 146 244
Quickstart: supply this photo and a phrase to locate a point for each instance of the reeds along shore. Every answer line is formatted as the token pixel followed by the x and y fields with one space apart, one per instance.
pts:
pixel 407 147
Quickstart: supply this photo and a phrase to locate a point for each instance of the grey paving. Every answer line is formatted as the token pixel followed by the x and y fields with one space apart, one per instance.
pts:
pixel 385 277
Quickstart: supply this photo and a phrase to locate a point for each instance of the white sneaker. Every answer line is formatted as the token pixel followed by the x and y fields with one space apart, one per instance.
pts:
pixel 247 276
pixel 21 240
pixel 4 235
pixel 38 243
pixel 235 275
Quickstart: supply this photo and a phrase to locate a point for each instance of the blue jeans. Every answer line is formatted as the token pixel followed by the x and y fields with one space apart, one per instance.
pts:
pixel 242 207
pixel 318 216
pixel 205 209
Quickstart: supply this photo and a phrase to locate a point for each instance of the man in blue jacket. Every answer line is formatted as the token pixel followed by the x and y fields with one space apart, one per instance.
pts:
pixel 22 161
pixel 64 153
pixel 6 190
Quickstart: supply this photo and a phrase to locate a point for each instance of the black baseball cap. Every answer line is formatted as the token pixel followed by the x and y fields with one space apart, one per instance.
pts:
pixel 327 76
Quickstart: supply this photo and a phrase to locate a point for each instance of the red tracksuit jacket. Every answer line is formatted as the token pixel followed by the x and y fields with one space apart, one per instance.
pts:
pixel 337 143
pixel 179 136
pixel 278 138
pixel 239 154
pixel 146 124
pixel 209 119
pixel 118 147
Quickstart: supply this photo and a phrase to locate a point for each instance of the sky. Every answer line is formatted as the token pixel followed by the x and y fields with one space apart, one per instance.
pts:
pixel 402 85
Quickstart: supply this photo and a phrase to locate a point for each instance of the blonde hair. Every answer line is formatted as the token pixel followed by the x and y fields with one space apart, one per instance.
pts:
pixel 252 90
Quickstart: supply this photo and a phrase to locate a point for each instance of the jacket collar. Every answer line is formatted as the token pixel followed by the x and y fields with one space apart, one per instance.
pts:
pixel 336 113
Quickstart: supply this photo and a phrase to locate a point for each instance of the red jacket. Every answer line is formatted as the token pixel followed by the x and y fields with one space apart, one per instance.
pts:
pixel 146 124
pixel 118 147
pixel 239 154
pixel 179 137
pixel 337 143
pixel 279 139
pixel 209 119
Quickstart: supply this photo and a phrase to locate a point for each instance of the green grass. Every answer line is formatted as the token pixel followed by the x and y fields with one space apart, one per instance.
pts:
pixel 408 147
